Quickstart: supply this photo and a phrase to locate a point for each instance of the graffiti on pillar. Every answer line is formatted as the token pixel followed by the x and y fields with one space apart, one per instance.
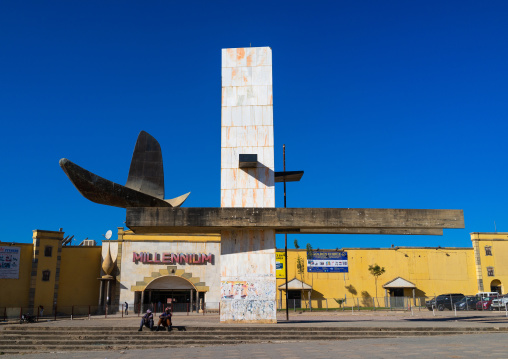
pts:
pixel 248 290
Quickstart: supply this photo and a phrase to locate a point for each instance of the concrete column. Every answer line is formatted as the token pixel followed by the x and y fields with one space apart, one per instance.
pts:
pixel 248 286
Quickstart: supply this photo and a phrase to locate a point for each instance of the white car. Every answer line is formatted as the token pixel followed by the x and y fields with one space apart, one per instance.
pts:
pixel 500 302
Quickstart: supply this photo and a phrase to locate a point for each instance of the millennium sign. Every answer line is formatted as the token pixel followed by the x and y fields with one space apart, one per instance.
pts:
pixel 172 258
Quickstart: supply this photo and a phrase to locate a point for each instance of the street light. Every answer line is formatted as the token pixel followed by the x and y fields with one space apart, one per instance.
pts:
pixel 287 176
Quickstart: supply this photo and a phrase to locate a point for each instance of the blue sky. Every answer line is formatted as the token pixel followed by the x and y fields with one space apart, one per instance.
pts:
pixel 398 104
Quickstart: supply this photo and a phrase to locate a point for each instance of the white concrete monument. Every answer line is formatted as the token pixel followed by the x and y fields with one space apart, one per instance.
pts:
pixel 248 286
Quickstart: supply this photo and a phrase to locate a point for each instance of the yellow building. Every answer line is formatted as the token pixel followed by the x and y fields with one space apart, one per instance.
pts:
pixel 72 279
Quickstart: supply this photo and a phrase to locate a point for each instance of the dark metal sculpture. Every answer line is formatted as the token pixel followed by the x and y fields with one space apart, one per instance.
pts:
pixel 145 183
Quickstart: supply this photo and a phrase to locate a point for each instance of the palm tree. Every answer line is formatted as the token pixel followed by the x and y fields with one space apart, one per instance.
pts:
pixel 376 271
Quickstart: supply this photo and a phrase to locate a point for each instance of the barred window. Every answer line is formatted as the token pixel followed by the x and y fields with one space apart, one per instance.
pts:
pixel 490 271
pixel 488 250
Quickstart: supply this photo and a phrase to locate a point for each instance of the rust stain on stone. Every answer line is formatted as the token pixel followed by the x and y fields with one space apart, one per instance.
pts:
pixel 240 53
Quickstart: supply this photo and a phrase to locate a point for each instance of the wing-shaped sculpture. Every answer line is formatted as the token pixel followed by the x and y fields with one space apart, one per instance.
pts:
pixel 145 184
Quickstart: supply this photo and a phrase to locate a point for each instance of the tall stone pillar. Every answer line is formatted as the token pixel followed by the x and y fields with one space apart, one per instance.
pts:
pixel 248 286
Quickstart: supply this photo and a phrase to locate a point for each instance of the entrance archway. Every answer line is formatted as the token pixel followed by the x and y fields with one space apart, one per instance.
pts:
pixel 170 291
pixel 495 286
pixel 184 291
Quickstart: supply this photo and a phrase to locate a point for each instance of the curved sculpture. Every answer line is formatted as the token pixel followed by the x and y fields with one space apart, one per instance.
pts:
pixel 145 184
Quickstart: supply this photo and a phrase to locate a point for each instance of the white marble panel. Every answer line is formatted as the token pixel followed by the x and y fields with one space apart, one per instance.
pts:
pixel 268 155
pixel 234 160
pixel 236 116
pixel 251 98
pixel 226 76
pixel 252 135
pixel 231 136
pixel 270 135
pixel 223 58
pixel 225 158
pixel 241 96
pixel 230 57
pixel 246 76
pixel 241 58
pixel 262 76
pixel 236 76
pixel 249 196
pixel 241 136
pixel 257 115
pixel 229 98
pixel 250 53
pixel 264 56
pixel 225 198
pixel 267 115
pixel 223 137
pixel 236 197
pixel 262 135
pixel 261 94
pixel 270 94
pixel 247 112
pixel 226 115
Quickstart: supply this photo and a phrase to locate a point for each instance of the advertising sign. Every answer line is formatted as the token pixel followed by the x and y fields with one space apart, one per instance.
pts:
pixel 9 262
pixel 328 262
pixel 280 260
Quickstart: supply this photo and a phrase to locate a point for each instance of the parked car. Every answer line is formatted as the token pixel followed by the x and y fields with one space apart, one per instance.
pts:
pixel 444 301
pixel 482 295
pixel 467 303
pixel 500 302
pixel 485 304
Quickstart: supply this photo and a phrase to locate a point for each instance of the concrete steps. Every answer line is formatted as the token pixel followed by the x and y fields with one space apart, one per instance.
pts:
pixel 25 339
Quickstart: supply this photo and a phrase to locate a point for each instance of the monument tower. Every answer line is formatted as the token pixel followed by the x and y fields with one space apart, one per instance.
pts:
pixel 248 287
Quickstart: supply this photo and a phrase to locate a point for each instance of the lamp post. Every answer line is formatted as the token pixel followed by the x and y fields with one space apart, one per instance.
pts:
pixel 289 176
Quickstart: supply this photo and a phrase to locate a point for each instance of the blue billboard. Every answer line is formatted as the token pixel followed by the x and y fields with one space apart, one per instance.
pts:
pixel 328 262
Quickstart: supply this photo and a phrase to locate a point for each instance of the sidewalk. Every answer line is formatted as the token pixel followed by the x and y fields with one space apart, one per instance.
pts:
pixel 316 319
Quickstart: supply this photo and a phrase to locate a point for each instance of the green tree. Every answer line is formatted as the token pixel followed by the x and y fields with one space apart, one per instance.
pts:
pixel 310 255
pixel 376 271
pixel 296 244
pixel 300 266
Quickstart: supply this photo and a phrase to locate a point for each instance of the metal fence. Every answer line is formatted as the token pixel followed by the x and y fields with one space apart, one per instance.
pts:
pixel 90 311
pixel 366 303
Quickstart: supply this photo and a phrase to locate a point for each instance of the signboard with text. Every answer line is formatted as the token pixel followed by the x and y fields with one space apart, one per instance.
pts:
pixel 280 260
pixel 9 262
pixel 328 262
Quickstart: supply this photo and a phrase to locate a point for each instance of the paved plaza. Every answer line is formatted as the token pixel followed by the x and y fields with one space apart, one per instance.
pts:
pixel 455 346
pixel 491 345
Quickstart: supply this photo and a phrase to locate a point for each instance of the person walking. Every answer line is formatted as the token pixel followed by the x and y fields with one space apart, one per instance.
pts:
pixel 126 308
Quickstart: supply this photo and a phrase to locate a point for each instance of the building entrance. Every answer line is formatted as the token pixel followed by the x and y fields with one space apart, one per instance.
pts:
pixel 169 291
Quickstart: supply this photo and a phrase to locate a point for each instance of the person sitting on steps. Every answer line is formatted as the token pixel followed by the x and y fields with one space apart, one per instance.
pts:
pixel 165 320
pixel 146 320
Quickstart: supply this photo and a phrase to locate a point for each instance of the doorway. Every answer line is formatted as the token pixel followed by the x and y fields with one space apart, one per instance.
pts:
pixel 295 299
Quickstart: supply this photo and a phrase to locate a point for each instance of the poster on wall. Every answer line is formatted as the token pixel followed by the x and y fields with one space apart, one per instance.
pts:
pixel 328 262
pixel 280 260
pixel 9 262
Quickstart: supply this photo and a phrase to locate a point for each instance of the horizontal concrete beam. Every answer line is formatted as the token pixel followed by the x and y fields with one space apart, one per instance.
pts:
pixel 400 231
pixel 300 220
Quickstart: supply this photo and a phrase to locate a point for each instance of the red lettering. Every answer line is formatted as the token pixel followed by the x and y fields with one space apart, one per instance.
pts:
pixel 207 258
pixel 166 257
pixel 136 257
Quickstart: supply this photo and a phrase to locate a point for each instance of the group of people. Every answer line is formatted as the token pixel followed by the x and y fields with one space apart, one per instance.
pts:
pixel 164 320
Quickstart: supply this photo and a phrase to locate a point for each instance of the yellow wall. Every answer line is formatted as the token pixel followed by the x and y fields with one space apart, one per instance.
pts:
pixel 14 292
pixel 44 290
pixel 433 271
pixel 79 272
pixel 498 260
